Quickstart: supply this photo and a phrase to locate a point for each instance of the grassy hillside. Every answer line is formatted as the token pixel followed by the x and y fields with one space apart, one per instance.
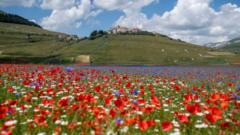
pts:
pixel 233 45
pixel 148 50
pixel 44 47
pixel 22 43
pixel 233 48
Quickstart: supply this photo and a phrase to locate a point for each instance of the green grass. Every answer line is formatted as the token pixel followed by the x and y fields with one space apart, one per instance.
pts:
pixel 107 50
pixel 18 28
pixel 142 50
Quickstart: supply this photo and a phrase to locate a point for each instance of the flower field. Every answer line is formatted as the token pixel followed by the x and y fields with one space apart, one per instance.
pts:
pixel 41 99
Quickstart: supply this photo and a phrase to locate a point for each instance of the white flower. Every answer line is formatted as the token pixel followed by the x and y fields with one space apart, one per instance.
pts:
pixel 165 105
pixel 176 132
pixel 166 110
pixel 157 121
pixel 34 98
pixel 200 114
pixel 124 129
pixel 110 132
pixel 10 123
pixel 58 122
pixel 136 126
pixel 203 125
pixel 43 133
pixel 64 123
pixel 139 112
pixel 187 114
pixel 175 123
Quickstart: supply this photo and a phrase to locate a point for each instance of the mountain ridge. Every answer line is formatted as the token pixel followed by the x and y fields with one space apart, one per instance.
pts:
pixel 232 45
pixel 16 19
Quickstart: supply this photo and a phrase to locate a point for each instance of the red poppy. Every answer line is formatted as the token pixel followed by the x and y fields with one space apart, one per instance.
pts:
pixel 3 112
pixel 225 125
pixel 193 109
pixel 213 118
pixel 97 88
pixel 63 102
pixel 119 103
pixel 177 87
pixel 143 125
pixel 183 118
pixel 128 84
pixel 75 107
pixel 130 121
pixel 155 101
pixel 9 132
pixel 167 126
pixel 108 100
pixel 121 90
pixel 40 120
pixel 215 111
pixel 151 122
pixel 112 112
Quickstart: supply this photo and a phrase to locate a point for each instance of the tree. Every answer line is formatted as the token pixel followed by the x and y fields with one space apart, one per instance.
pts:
pixel 95 34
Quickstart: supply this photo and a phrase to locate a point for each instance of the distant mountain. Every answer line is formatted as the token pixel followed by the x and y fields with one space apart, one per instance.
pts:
pixel 16 19
pixel 217 45
pixel 231 45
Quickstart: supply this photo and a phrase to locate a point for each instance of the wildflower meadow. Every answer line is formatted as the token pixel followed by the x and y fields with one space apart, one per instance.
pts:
pixel 61 100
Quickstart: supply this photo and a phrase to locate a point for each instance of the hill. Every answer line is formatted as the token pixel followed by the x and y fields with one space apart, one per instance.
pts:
pixel 29 44
pixel 231 45
pixel 23 43
pixel 233 48
pixel 146 50
pixel 11 18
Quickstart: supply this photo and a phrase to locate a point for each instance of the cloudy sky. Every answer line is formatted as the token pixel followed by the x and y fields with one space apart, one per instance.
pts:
pixel 196 21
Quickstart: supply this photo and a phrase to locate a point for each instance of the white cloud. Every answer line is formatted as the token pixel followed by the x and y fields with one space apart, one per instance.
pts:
pixel 25 3
pixel 57 4
pixel 128 6
pixel 33 20
pixel 68 16
pixel 191 20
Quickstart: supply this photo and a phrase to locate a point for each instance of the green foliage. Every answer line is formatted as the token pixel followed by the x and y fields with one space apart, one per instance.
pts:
pixel 96 34
pixel 11 18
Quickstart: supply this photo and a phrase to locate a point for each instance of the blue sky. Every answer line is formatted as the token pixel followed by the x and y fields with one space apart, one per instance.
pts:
pixel 107 15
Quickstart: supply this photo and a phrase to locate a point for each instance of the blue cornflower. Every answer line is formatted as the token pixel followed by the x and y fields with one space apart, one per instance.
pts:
pixel 119 121
pixel 17 94
pixel 135 102
pixel 33 84
pixel 237 97
pixel 238 87
pixel 10 111
pixel 69 69
pixel 117 94
pixel 135 92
